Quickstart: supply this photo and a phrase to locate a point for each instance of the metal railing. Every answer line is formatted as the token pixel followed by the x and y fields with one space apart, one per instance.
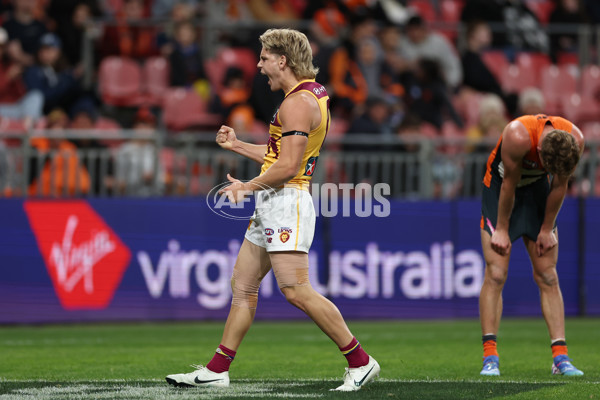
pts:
pixel 144 164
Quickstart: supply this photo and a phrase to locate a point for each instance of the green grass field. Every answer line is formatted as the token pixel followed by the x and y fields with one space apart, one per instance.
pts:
pixel 419 360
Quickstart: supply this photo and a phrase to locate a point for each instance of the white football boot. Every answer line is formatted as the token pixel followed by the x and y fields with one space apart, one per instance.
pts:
pixel 356 378
pixel 202 376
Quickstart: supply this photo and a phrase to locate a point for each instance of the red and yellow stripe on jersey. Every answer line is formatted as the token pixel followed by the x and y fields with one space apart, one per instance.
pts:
pixel 531 167
pixel 315 137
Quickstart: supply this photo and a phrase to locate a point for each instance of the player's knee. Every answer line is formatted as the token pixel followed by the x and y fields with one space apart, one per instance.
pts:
pixel 295 297
pixel 497 276
pixel 548 277
pixel 244 292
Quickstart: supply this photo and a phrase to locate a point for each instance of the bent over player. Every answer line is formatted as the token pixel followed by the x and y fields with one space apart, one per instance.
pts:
pixel 523 190
pixel 281 237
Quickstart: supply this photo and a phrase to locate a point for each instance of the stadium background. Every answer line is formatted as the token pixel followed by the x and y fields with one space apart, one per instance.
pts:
pixel 104 184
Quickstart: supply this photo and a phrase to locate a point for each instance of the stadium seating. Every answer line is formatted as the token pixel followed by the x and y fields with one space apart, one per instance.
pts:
pixel 496 61
pixel 533 60
pixel 579 109
pixel 591 130
pixel 530 63
pixel 590 82
pixel 107 124
pixel 424 8
pixel 183 108
pixel 567 58
pixel 556 83
pixel 541 8
pixel 451 10
pixel 243 58
pixel 514 79
pixel 9 125
pixel 120 81
pixel 114 5
pixel 155 79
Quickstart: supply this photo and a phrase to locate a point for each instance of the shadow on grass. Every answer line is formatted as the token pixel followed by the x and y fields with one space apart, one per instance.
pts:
pixel 435 390
pixel 273 389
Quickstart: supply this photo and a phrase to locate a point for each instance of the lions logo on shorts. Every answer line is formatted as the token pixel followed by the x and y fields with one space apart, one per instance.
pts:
pixel 284 237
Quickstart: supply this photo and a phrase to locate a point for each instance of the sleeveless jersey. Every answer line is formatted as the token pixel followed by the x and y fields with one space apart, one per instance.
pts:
pixel 531 167
pixel 316 137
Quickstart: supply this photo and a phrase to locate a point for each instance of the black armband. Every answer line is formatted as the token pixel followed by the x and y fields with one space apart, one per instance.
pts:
pixel 294 133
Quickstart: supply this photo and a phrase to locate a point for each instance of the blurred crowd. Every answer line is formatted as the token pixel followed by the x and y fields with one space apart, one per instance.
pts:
pixel 391 67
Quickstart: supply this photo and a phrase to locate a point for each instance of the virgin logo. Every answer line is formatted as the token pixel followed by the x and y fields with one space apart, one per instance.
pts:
pixel 85 259
pixel 76 263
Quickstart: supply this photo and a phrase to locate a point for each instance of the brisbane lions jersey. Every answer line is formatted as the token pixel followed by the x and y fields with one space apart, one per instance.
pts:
pixel 531 167
pixel 316 137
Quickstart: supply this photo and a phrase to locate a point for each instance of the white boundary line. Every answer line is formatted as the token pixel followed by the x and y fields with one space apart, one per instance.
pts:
pixel 559 381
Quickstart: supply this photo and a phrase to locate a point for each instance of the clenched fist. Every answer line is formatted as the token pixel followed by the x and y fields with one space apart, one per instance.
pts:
pixel 226 137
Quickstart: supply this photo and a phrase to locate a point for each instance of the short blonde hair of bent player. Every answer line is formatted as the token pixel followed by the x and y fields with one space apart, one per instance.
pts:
pixel 294 45
pixel 559 152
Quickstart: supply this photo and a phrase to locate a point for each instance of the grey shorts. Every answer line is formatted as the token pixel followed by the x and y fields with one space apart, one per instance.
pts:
pixel 528 211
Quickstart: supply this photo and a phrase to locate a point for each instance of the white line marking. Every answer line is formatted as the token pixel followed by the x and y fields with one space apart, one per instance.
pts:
pixel 306 380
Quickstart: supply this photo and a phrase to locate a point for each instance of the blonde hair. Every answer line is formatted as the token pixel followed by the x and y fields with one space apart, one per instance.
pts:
pixel 491 104
pixel 294 45
pixel 531 97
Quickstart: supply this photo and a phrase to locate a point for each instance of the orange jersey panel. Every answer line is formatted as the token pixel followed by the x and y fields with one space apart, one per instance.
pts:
pixel 531 166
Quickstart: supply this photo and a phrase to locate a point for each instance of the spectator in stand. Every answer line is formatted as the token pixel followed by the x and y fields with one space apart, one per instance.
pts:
pixel 6 172
pixel 347 82
pixel 568 12
pixel 483 137
pixel 593 10
pixel 70 18
pixel 390 36
pixel 515 26
pixel 129 38
pixel 369 58
pixel 375 119
pixel 531 102
pixel 409 133
pixel 55 169
pixel 326 30
pixel 397 71
pixel 24 32
pixel 232 102
pixel 266 10
pixel 164 8
pixel 137 170
pixel 92 151
pixel 180 12
pixel 476 74
pixel 6 6
pixel 165 39
pixel 187 63
pixel 490 124
pixel 427 95
pixel 15 101
pixel 420 42
pixel 60 86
